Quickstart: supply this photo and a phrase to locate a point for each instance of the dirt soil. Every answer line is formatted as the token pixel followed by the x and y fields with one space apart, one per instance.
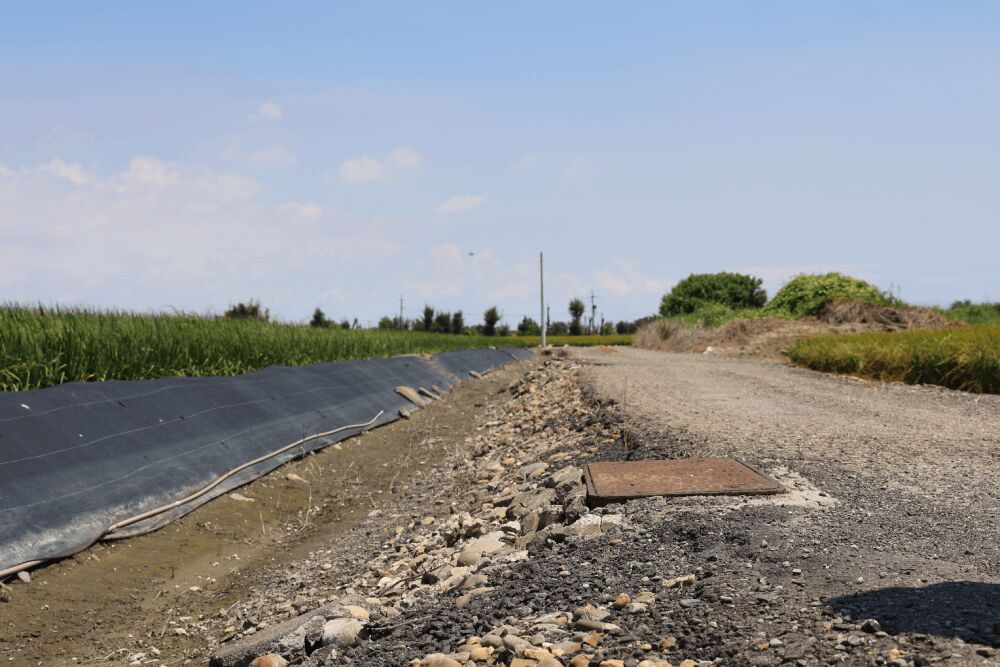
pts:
pixel 149 596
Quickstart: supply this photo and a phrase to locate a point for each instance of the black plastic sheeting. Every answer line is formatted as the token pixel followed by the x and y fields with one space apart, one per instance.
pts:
pixel 80 457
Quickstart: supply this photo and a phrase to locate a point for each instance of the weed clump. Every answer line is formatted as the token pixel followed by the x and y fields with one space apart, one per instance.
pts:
pixel 807 294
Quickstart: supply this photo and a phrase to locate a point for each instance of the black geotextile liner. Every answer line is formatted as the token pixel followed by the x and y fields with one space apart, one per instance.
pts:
pixel 79 457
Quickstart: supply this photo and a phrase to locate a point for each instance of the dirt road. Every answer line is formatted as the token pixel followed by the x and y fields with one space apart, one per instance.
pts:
pixel 914 537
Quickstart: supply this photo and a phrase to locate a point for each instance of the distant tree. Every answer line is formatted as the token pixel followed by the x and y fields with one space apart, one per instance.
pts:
pixel 251 310
pixel 558 329
pixel 318 319
pixel 576 310
pixel 490 319
pixel 387 322
pixel 607 329
pixel 345 324
pixel 528 327
pixel 428 320
pixel 626 327
pixel 458 322
pixel 442 323
pixel 503 330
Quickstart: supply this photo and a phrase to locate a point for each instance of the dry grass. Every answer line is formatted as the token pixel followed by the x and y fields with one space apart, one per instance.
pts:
pixel 771 336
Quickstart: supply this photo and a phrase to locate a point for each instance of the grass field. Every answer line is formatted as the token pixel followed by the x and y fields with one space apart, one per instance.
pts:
pixel 581 341
pixel 966 358
pixel 40 348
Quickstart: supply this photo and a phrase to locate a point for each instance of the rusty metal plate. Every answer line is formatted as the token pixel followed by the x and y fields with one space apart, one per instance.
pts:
pixel 618 481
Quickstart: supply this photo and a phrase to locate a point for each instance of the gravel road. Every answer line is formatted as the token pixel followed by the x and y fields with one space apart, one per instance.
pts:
pixel 912 539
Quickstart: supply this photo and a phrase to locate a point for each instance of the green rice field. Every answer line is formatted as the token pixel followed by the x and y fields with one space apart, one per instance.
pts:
pixel 41 347
pixel 581 341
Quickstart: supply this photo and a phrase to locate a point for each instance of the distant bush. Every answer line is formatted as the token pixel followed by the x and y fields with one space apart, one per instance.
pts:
pixel 442 323
pixel 732 290
pixel 806 294
pixel 490 319
pixel 251 310
pixel 528 327
pixel 318 319
pixel 714 315
pixel 558 329
pixel 974 313
pixel 626 327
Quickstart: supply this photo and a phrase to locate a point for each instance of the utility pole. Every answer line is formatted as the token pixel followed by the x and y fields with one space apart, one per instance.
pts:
pixel 541 291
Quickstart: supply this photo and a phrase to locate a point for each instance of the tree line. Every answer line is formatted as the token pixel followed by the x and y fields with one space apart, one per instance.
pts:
pixel 440 321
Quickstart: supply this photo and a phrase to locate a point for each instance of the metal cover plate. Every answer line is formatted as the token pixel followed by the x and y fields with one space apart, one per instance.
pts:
pixel 616 481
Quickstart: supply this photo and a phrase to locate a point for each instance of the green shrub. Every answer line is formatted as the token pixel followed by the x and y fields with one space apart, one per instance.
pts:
pixel 806 294
pixel 974 313
pixel 490 319
pixel 528 327
pixel 731 290
pixel 714 315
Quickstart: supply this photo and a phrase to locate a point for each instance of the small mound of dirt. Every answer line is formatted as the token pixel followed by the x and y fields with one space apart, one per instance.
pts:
pixel 771 336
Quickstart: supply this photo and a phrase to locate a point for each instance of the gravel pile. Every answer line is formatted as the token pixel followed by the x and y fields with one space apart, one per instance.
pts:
pixel 510 567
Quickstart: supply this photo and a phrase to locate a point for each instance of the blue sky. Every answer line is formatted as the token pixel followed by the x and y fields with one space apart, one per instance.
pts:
pixel 190 155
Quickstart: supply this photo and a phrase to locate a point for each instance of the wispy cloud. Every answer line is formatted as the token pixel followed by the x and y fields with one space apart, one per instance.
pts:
pixel 622 277
pixel 580 169
pixel 525 161
pixel 72 172
pixel 366 169
pixel 159 232
pixel 302 210
pixel 461 203
pixel 269 112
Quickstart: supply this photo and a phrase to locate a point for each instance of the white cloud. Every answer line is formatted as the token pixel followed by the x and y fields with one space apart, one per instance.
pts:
pixel 404 158
pixel 278 155
pixel 366 169
pixel 580 169
pixel 622 277
pixel 361 170
pixel 145 170
pixel 160 233
pixel 461 203
pixel 302 210
pixel 260 156
pixel 269 112
pixel 5 172
pixel 74 173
